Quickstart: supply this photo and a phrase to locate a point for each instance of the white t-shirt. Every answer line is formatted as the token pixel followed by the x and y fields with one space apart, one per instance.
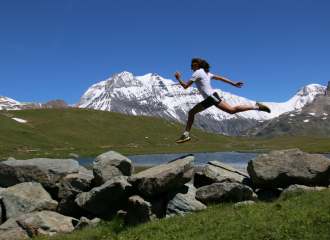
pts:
pixel 203 82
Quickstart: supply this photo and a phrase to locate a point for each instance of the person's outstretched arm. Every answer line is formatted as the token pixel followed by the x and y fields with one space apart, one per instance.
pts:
pixel 236 84
pixel 183 84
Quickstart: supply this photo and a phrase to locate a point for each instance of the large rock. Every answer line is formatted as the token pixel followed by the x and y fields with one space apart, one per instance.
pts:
pixel 84 171
pixel 143 209
pixel 46 223
pixel 109 165
pixel 165 177
pixel 248 202
pixel 25 198
pixel 283 168
pixel 299 188
pixel 107 199
pixel 225 192
pixel 85 222
pixel 11 230
pixel 70 208
pixel 182 201
pixel 73 184
pixel 47 172
pixel 219 172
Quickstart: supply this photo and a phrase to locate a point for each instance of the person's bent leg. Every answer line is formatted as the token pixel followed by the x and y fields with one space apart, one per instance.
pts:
pixel 191 117
pixel 232 110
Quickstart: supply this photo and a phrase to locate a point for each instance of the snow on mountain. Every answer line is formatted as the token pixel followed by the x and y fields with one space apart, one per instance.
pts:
pixel 152 95
pixel 8 103
pixel 304 96
pixel 311 119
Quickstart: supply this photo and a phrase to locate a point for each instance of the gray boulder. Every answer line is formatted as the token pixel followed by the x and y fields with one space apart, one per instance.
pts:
pixel 47 172
pixel 73 155
pixel 85 222
pixel 107 199
pixel 84 171
pixel 46 223
pixel 121 214
pixel 165 177
pixel 182 201
pixel 143 209
pixel 70 208
pixel 11 230
pixel 109 165
pixel 219 172
pixel 73 184
pixel 299 188
pixel 280 169
pixel 25 198
pixel 225 192
pixel 239 204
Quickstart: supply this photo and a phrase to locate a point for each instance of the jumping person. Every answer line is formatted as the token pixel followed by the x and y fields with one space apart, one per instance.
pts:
pixel 202 78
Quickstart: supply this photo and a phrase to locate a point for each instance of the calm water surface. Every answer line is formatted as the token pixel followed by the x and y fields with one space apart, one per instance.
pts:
pixel 234 159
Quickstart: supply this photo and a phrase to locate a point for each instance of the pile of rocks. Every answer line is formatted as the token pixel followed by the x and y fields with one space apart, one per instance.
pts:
pixel 49 196
pixel 267 175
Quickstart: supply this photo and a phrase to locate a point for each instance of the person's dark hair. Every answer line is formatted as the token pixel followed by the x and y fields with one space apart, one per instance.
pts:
pixel 201 63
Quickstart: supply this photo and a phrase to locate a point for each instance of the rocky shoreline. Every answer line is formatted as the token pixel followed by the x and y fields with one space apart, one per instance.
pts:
pixel 48 196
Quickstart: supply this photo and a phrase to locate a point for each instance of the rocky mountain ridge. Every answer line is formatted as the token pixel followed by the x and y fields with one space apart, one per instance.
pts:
pixel 312 119
pixel 11 104
pixel 152 95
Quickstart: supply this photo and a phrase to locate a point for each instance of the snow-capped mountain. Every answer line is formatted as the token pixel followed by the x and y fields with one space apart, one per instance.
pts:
pixel 152 95
pixel 10 104
pixel 311 119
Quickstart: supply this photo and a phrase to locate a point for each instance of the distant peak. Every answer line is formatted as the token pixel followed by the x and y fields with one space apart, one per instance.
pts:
pixel 125 73
pixel 312 88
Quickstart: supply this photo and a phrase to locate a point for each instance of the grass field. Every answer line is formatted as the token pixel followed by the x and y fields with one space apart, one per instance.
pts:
pixel 303 215
pixel 55 133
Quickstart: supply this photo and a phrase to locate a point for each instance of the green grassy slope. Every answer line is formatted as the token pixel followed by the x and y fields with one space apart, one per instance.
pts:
pixel 301 215
pixel 55 133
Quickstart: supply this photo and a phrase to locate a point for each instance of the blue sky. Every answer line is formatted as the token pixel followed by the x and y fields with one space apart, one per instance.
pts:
pixel 57 49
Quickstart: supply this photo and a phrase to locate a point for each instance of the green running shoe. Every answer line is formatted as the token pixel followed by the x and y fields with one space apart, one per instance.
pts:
pixel 183 138
pixel 263 107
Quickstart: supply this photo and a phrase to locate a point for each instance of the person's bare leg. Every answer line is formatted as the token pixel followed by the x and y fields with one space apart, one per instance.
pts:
pixel 191 115
pixel 232 110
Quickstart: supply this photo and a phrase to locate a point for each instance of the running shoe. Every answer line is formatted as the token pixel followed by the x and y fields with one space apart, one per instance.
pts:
pixel 183 138
pixel 263 107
